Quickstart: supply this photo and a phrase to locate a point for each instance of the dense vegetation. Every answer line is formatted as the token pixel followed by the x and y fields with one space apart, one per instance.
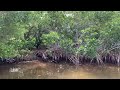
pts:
pixel 77 36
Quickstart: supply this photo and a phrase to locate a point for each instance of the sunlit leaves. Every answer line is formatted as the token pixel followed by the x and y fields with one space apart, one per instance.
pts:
pixel 50 39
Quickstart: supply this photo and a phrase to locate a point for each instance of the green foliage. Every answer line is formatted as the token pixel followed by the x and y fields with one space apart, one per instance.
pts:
pixel 66 44
pixel 92 31
pixel 30 44
pixel 7 51
pixel 50 39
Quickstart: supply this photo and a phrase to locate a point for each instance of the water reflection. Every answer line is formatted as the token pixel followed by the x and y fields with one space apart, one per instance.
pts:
pixel 14 69
pixel 40 70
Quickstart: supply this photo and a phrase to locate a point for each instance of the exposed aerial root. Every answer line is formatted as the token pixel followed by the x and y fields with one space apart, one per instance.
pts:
pixel 57 55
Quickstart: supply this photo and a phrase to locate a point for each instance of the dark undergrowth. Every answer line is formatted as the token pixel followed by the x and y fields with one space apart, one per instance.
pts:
pixel 59 56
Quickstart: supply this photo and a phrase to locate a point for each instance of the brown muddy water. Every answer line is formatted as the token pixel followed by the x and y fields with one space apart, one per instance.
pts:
pixel 42 70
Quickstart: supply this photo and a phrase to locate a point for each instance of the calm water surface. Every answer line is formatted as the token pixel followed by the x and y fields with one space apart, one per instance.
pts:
pixel 42 70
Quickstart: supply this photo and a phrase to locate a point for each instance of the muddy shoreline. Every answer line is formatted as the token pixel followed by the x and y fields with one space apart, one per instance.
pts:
pixel 58 56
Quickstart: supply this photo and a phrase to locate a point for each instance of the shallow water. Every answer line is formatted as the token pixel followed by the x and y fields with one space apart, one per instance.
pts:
pixel 42 70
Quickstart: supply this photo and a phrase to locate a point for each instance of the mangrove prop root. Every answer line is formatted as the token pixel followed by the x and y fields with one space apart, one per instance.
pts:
pixel 59 55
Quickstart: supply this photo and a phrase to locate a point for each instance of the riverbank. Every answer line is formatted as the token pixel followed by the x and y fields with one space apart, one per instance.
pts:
pixel 59 56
